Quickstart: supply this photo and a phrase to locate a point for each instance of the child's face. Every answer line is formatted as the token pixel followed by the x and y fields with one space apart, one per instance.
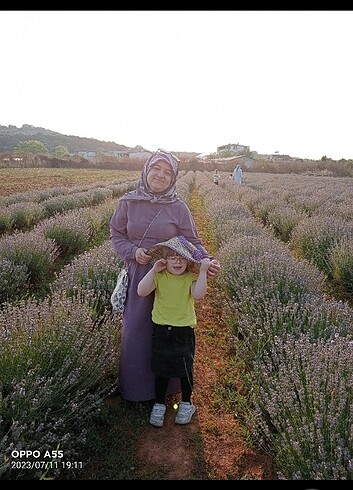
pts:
pixel 176 264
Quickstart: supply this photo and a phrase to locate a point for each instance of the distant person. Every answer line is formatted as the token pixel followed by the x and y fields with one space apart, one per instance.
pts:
pixel 216 176
pixel 178 277
pixel 238 175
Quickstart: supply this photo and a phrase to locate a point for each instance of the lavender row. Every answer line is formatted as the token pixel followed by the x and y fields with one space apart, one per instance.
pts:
pixel 295 344
pixel 312 215
pixel 30 259
pixel 57 362
pixel 59 356
pixel 24 215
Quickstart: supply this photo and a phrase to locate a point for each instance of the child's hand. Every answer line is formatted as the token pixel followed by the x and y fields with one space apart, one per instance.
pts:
pixel 205 264
pixel 160 265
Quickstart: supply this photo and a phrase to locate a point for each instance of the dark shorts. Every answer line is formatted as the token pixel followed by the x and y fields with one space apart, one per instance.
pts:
pixel 173 351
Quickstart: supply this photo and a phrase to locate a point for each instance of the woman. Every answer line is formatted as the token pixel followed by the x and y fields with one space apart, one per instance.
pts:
pixel 238 175
pixel 148 215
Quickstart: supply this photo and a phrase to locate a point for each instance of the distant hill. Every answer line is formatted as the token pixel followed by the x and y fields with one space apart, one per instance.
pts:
pixel 11 135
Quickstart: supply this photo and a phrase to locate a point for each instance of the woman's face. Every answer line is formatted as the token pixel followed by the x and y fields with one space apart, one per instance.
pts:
pixel 159 177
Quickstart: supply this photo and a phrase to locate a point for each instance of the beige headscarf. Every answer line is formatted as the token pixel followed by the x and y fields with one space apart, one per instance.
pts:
pixel 144 193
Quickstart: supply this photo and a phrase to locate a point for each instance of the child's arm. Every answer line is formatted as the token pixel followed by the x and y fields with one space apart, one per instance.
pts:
pixel 199 287
pixel 146 285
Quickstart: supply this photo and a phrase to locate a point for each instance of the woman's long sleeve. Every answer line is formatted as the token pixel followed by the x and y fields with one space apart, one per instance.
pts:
pixel 118 233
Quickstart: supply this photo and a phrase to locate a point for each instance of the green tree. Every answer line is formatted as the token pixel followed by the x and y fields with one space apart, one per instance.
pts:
pixel 61 151
pixel 31 146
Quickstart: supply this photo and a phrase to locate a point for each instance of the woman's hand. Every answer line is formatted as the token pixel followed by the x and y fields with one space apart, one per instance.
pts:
pixel 141 256
pixel 214 268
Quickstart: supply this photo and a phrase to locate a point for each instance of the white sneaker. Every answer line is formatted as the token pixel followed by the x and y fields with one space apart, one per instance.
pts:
pixel 185 412
pixel 157 415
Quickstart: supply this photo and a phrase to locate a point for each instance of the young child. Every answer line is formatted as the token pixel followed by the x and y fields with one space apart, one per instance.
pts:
pixel 178 277
pixel 216 176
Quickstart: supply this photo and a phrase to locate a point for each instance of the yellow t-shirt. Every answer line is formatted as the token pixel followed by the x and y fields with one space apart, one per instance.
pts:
pixel 173 303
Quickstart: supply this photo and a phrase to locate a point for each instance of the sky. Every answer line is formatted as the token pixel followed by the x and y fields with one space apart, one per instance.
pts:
pixel 276 81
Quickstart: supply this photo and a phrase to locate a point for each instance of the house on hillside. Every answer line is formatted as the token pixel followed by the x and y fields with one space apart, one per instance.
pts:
pixel 234 148
pixel 91 155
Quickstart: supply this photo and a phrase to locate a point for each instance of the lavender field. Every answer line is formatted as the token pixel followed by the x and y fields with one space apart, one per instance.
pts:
pixel 285 245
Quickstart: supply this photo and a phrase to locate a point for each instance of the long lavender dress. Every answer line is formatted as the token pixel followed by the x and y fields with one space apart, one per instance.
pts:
pixel 128 225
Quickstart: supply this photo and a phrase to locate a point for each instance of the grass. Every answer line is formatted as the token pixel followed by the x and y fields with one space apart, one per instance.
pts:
pixel 110 453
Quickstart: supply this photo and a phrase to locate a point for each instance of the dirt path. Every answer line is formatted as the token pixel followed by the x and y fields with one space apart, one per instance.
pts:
pixel 212 446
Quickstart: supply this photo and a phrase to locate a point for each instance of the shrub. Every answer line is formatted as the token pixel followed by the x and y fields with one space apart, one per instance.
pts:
pixel 56 365
pixel 302 395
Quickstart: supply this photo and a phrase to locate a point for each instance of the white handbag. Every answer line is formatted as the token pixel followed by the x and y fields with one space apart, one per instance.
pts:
pixel 119 294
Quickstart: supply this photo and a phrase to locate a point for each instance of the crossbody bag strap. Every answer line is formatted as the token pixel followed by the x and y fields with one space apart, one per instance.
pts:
pixel 149 226
pixel 127 265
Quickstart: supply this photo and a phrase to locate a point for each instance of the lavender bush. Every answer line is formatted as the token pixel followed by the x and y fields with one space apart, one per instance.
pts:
pixel 282 221
pixel 99 218
pixel 33 196
pixel 93 273
pixel 316 317
pixel 25 215
pixel 13 280
pixel 341 263
pixel 71 232
pixel 253 266
pixel 5 220
pixel 56 365
pixel 302 393
pixel 33 251
pixel 314 238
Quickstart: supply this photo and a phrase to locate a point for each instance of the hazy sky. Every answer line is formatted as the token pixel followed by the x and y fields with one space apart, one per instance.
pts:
pixel 183 80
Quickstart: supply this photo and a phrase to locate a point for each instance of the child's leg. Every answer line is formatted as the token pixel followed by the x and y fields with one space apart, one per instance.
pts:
pixel 161 385
pixel 187 383
pixel 159 407
pixel 186 408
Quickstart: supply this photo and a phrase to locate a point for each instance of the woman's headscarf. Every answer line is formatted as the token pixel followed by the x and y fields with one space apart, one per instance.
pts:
pixel 144 193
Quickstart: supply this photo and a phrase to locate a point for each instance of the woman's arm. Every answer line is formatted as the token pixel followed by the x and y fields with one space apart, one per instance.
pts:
pixel 125 249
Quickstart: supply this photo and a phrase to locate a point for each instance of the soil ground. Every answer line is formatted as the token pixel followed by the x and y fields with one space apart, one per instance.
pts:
pixel 214 445
pixel 172 451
